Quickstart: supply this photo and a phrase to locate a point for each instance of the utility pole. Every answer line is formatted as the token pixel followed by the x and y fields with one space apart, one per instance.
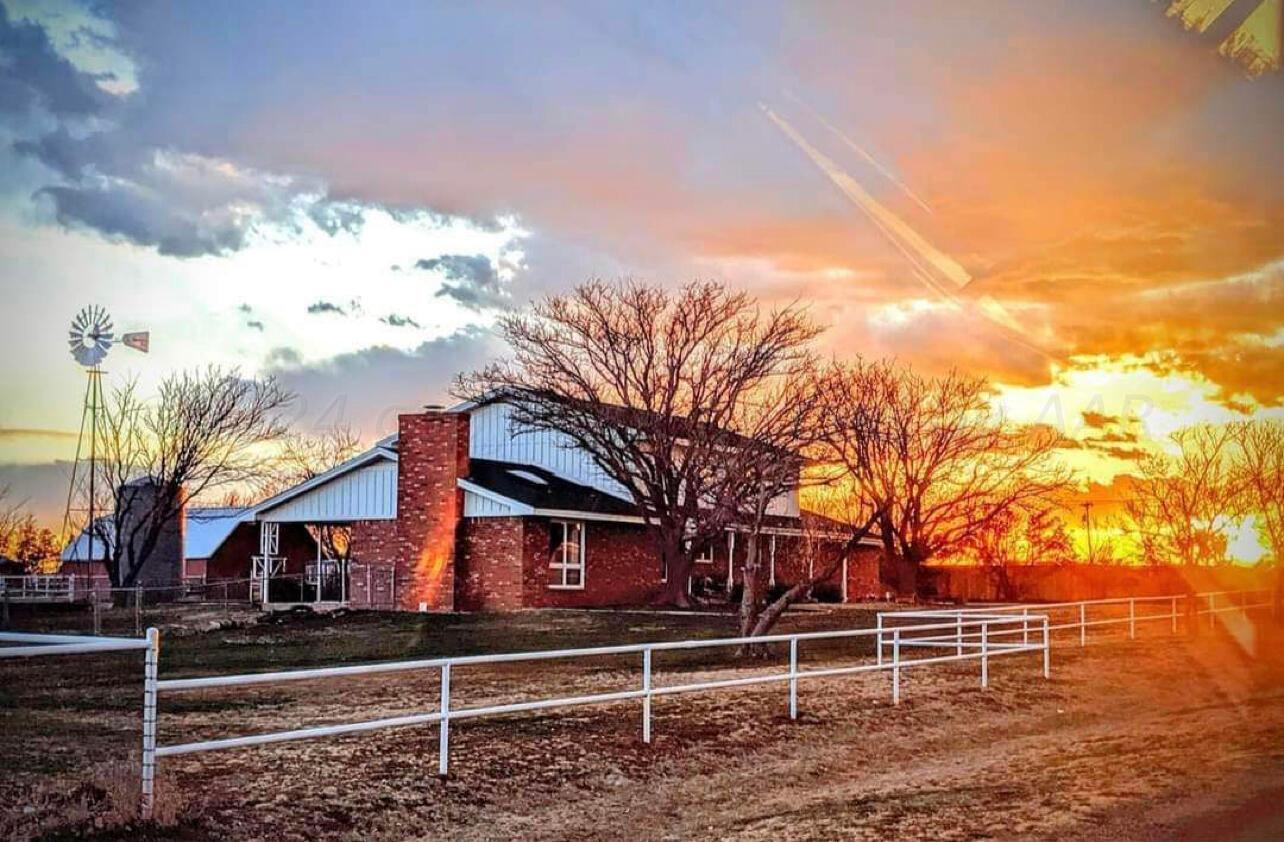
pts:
pixel 1087 525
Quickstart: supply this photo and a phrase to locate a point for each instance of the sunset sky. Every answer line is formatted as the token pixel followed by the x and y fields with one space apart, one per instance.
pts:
pixel 1083 200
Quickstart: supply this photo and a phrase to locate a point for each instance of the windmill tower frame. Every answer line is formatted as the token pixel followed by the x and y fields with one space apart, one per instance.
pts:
pixel 90 338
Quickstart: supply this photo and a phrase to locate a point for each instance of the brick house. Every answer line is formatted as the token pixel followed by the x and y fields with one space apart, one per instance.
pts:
pixel 461 510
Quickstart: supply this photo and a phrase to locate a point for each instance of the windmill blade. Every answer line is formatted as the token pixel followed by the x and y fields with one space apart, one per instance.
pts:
pixel 91 336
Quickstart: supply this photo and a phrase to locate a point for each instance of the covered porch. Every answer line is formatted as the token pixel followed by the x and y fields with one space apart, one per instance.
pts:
pixel 349 511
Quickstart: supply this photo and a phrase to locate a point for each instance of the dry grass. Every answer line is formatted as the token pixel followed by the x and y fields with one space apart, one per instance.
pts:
pixel 1120 726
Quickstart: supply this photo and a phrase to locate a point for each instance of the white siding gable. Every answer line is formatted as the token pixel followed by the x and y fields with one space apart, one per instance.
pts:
pixel 367 493
pixel 475 505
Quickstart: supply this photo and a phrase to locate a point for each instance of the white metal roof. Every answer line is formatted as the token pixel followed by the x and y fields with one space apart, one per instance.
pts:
pixel 206 530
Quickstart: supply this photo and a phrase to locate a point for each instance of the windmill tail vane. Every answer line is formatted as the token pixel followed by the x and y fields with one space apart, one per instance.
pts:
pixel 139 341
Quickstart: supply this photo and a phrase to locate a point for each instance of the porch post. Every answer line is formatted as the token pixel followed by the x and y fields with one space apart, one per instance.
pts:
pixel 731 559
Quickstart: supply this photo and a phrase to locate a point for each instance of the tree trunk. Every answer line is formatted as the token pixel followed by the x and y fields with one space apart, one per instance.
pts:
pixel 907 572
pixel 899 573
pixel 749 597
pixel 677 563
pixel 1003 585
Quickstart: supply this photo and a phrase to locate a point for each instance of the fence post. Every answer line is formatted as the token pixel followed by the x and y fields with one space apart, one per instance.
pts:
pixel 150 663
pixel 1174 615
pixel 985 655
pixel 1083 624
pixel 1047 649
pixel 793 678
pixel 98 614
pixel 880 639
pixel 646 697
pixel 958 634
pixel 443 744
pixel 1025 626
pixel 1132 619
pixel 896 667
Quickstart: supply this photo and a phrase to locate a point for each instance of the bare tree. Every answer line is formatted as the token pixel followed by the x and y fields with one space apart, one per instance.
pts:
pixel 302 456
pixel 1019 537
pixel 938 465
pixel 781 431
pixel 11 518
pixel 1259 477
pixel 1110 544
pixel 1260 481
pixel 205 430
pixel 651 384
pixel 1183 504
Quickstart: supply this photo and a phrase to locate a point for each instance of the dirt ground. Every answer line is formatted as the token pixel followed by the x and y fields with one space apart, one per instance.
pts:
pixel 1166 737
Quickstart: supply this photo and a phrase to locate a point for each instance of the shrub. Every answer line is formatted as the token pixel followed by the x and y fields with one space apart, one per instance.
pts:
pixel 776 591
pixel 827 592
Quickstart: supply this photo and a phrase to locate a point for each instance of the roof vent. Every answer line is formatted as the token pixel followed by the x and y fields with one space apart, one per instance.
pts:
pixel 528 476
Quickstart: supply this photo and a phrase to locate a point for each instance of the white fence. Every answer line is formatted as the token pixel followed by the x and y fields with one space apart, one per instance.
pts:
pixel 32 645
pixel 39 588
pixel 963 634
pixel 646 691
pixel 1088 614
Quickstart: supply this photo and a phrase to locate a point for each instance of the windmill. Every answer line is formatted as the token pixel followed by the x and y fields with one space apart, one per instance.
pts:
pixel 91 336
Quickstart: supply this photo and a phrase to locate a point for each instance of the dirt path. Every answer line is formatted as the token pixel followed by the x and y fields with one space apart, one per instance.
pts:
pixel 1162 738
pixel 1137 739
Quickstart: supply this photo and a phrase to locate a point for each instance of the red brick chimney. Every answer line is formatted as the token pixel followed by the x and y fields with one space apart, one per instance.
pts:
pixel 432 452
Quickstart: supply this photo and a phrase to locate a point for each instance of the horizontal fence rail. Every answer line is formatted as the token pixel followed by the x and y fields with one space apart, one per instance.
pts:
pixel 1091 613
pixel 645 692
pixel 39 588
pixel 31 645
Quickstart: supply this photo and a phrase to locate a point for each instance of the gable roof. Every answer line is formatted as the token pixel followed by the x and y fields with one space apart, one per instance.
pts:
pixel 384 450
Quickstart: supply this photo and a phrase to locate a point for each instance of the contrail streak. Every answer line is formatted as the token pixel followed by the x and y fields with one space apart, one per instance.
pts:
pixel 928 263
pixel 859 150
pixel 901 232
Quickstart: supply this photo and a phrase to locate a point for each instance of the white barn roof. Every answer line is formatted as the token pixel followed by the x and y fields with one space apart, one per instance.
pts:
pixel 206 530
